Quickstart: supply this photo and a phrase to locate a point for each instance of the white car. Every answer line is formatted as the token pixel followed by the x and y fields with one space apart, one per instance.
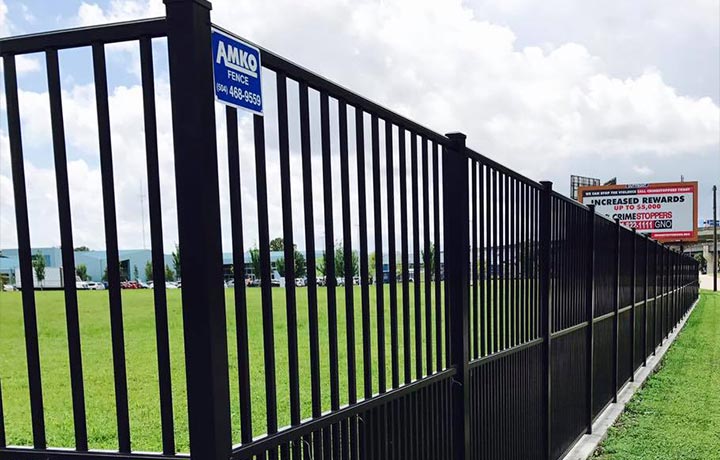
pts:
pixel 81 285
pixel 95 286
pixel 300 282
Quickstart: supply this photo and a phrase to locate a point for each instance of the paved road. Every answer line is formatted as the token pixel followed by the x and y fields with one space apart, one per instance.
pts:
pixel 706 281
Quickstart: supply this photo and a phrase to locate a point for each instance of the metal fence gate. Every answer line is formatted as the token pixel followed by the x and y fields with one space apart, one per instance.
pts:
pixel 534 311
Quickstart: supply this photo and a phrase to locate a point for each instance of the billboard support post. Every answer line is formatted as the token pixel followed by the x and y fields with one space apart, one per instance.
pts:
pixel 715 227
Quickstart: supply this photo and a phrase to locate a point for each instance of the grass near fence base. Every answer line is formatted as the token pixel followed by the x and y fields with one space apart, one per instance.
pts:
pixel 141 358
pixel 676 415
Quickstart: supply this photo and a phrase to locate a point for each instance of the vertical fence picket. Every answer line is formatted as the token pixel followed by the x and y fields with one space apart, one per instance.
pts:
pixel 241 319
pixel 111 241
pixel 364 268
pixel 156 242
pixel 590 314
pixel 616 311
pixel 645 301
pixel 436 255
pixel 379 281
pixel 632 311
pixel 392 256
pixel 32 350
pixel 417 299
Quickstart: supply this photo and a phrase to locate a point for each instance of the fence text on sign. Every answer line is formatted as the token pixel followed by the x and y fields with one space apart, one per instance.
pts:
pixel 490 317
pixel 237 70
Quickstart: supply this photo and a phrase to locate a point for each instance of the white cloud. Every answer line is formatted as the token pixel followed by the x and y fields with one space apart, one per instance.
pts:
pixel 643 170
pixel 119 10
pixel 25 64
pixel 27 14
pixel 5 26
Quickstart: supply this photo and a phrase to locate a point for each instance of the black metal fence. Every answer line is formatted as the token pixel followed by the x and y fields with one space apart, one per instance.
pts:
pixel 524 315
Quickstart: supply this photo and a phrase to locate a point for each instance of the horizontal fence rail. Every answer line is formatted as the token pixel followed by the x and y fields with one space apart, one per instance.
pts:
pixel 447 307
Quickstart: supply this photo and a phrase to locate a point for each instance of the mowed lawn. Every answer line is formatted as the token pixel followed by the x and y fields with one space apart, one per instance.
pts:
pixel 676 415
pixel 141 358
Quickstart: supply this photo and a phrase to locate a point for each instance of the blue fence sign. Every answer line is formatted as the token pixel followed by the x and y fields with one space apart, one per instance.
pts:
pixel 236 67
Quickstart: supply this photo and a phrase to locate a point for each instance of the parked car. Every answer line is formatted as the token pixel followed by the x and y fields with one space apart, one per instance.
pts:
pixel 129 285
pixel 8 288
pixel 255 282
pixel 95 285
pixel 275 282
pixel 81 285
pixel 339 281
pixel 150 284
pixel 230 283
pixel 170 285
pixel 321 281
pixel 301 282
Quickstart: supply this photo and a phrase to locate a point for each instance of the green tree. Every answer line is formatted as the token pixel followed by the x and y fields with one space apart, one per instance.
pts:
pixel 176 260
pixel 300 265
pixel 39 266
pixel 169 274
pixel 320 265
pixel 105 275
pixel 82 249
pixel 255 261
pixel 280 266
pixel 431 259
pixel 136 273
pixel 277 244
pixel 81 271
pixel 148 271
pixel 124 272
pixel 340 262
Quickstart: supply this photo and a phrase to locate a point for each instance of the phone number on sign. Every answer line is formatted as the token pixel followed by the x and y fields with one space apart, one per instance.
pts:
pixel 245 95
pixel 648 224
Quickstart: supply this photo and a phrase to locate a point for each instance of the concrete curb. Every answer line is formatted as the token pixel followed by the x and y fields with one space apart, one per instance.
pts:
pixel 586 445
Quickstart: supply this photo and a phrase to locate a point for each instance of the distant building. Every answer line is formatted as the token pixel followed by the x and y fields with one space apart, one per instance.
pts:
pixel 96 262
pixel 8 264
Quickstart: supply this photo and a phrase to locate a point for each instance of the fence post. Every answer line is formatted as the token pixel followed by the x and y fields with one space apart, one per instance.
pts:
pixel 645 302
pixel 668 275
pixel 655 300
pixel 632 311
pixel 198 206
pixel 590 313
pixel 616 318
pixel 545 313
pixel 457 278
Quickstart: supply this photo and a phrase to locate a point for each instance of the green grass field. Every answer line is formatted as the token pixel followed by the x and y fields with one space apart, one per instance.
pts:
pixel 676 415
pixel 139 326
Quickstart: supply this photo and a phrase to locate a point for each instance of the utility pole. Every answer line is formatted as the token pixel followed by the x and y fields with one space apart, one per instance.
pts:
pixel 715 228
